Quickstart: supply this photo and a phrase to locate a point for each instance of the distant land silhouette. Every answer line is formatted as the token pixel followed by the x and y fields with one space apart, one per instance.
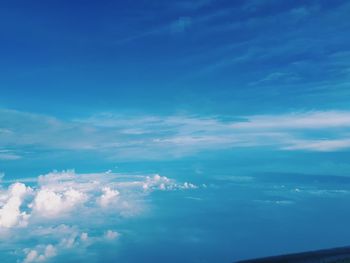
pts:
pixel 334 255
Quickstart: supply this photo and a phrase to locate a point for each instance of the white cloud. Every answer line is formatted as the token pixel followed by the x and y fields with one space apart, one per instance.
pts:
pixel 34 256
pixel 158 182
pixel 68 210
pixel 320 145
pixel 84 236
pixel 111 235
pixel 49 203
pixel 9 156
pixel 10 214
pixel 159 137
pixel 6 154
pixel 304 120
pixel 69 242
pixel 108 196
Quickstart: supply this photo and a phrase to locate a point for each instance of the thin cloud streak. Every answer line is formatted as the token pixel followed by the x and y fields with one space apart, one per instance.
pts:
pixel 159 137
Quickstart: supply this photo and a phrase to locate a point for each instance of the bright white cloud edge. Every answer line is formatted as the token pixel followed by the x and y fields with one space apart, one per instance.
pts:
pixel 49 207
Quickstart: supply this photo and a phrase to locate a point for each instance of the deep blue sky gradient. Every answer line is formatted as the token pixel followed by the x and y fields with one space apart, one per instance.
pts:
pixel 208 56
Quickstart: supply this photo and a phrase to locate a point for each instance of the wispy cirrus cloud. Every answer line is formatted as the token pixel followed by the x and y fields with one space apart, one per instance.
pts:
pixel 320 145
pixel 158 137
pixel 181 23
pixel 191 5
pixel 303 31
pixel 9 155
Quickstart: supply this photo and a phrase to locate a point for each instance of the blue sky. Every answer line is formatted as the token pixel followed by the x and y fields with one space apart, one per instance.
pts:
pixel 171 125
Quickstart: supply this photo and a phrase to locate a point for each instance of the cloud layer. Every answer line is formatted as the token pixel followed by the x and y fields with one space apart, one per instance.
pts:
pixel 159 137
pixel 73 210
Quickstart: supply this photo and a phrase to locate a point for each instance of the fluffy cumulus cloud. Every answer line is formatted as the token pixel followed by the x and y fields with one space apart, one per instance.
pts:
pixel 66 210
pixel 164 183
pixel 10 213
pixel 50 203
pixel 34 255
pixel 108 196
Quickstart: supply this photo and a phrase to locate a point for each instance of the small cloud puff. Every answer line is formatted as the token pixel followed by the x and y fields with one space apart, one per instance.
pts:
pixel 84 236
pixel 35 256
pixel 69 239
pixel 111 235
pixel 108 196
pixel 158 182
